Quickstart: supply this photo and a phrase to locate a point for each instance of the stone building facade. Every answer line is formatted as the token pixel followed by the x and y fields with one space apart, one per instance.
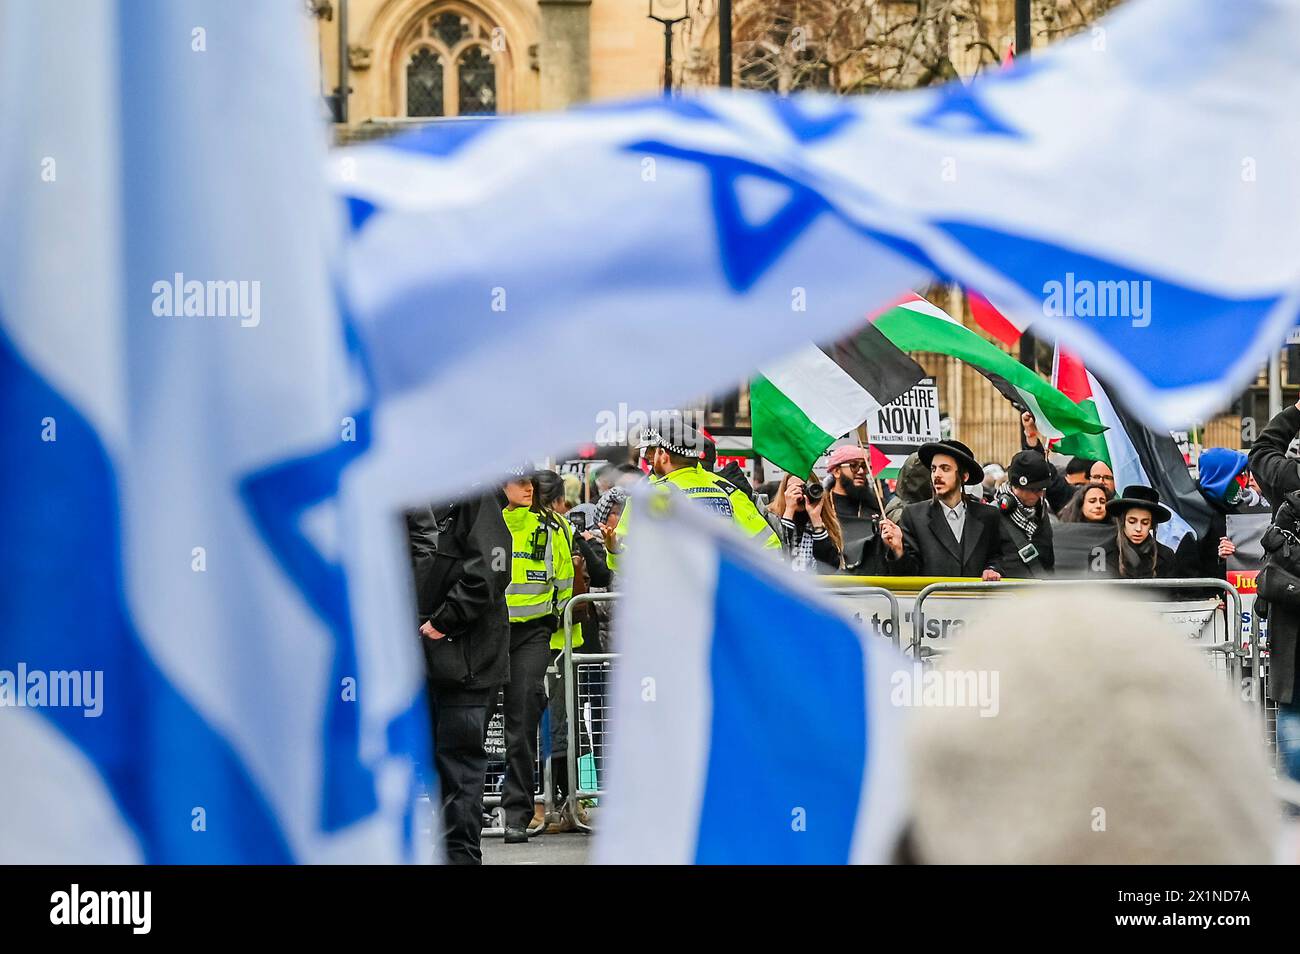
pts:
pixel 411 61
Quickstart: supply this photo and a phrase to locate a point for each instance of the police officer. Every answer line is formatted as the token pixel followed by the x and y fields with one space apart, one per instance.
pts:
pixel 541 581
pixel 1026 529
pixel 674 453
pixel 460 556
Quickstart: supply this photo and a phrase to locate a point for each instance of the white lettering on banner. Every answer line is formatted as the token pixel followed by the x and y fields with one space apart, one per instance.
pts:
pixel 907 422
pixel 946 616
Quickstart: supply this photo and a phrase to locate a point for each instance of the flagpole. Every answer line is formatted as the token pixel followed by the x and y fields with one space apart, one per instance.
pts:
pixel 1274 384
pixel 864 442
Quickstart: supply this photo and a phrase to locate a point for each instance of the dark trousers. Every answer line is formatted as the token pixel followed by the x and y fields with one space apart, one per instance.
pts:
pixel 459 726
pixel 525 698
pixel 556 692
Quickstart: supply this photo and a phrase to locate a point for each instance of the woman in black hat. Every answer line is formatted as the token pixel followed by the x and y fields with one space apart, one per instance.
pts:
pixel 1139 555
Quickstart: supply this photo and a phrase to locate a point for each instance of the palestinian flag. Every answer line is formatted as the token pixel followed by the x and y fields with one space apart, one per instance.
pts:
pixel 992 320
pixel 1072 379
pixel 1134 453
pixel 803 403
pixel 915 324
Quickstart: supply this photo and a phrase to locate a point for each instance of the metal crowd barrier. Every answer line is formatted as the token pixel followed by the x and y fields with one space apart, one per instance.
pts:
pixel 1204 583
pixel 496 767
pixel 586 684
pixel 894 613
pixel 1229 652
pixel 1261 688
pixel 586 674
pixel 576 666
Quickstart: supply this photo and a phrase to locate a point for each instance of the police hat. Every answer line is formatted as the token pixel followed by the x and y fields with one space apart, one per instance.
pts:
pixel 674 435
pixel 1029 470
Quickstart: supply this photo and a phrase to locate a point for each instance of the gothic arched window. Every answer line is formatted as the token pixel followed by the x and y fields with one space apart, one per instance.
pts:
pixel 478 82
pixel 451 62
pixel 424 81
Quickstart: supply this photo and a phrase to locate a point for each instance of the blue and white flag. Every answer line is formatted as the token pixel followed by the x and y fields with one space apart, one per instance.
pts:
pixel 752 721
pixel 1130 189
pixel 207 652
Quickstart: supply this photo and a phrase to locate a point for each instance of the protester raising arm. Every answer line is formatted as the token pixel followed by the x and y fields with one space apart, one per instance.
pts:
pixel 1276 473
pixel 593 553
pixel 1059 491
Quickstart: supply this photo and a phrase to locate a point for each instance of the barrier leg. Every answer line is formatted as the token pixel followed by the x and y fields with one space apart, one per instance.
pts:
pixel 571 720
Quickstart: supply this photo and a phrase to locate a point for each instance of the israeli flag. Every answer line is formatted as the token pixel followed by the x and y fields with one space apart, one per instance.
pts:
pixel 752 722
pixel 206 653
pixel 1130 190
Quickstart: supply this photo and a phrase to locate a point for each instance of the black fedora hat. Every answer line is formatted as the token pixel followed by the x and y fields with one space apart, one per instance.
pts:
pixel 1138 496
pixel 957 451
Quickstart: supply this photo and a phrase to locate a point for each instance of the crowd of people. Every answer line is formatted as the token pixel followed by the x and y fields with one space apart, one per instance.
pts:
pixel 494 572
pixel 949 515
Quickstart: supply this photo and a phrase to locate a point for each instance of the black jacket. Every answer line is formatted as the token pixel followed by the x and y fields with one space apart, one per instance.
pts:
pixel 1014 540
pixel 1278 475
pixel 1167 562
pixel 1200 557
pixel 929 548
pixel 826 556
pixel 1059 492
pixel 460 557
pixel 593 553
pixel 864 555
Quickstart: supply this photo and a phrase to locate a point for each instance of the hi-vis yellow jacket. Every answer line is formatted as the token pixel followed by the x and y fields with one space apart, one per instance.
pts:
pixel 713 491
pixel 541 569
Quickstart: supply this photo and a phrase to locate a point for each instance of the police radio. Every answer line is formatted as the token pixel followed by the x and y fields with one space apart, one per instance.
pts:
pixel 537 543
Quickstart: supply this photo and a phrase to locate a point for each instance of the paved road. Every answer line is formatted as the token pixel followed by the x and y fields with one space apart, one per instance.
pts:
pixel 567 849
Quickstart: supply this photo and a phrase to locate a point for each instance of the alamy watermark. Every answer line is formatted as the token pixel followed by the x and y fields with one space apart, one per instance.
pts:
pixel 212 299
pixel 56 688
pixel 946 688
pixel 131 909
pixel 623 425
pixel 1085 298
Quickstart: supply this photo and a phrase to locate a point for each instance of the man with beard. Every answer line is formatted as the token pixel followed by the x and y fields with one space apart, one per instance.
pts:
pixel 858 509
pixel 952 534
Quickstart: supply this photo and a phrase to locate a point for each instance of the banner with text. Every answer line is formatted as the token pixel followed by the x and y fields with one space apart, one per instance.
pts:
pixel 898 428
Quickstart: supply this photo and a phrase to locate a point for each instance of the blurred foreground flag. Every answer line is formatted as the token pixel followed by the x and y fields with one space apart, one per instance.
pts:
pixel 192 667
pixel 752 722
pixel 1130 190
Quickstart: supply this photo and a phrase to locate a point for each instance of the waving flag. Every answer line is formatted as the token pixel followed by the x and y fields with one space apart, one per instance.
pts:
pixel 915 324
pixel 763 731
pixel 704 237
pixel 986 315
pixel 803 403
pixel 197 663
pixel 1136 454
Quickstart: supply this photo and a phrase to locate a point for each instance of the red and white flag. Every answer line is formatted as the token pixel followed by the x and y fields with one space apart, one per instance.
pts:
pixel 987 316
